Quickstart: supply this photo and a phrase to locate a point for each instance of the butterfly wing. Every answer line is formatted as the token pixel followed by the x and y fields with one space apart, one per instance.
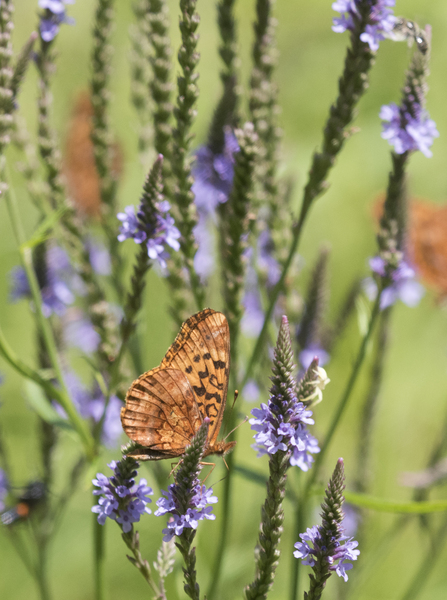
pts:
pixel 161 414
pixel 201 351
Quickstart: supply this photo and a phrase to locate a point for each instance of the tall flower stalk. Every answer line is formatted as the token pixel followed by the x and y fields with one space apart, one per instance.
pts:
pixel 184 112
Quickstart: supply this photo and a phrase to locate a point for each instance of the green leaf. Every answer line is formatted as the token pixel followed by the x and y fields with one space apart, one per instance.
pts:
pixel 43 232
pixel 393 506
pixel 41 405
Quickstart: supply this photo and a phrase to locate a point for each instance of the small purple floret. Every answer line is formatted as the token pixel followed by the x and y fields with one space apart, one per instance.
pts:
pixel 53 17
pixel 407 133
pixel 381 20
pixel 157 237
pixel 198 510
pixel 121 500
pixel 4 488
pixel 317 552
pixel 274 434
pixel 403 285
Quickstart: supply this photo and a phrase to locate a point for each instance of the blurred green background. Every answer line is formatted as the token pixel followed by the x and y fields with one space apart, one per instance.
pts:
pixel 414 395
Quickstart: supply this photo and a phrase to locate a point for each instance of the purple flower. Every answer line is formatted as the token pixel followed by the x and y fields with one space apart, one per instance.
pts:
pixel 402 287
pixel 311 554
pixel 251 391
pixel 324 547
pixel 157 235
pixel 131 226
pixel 406 132
pixel 253 318
pixel 198 509
pixel 79 331
pixel 57 7
pixel 381 20
pixel 4 488
pixel 53 17
pixel 351 519
pixel 57 281
pixel 121 499
pixel 204 259
pixel 213 175
pixel 90 404
pixel 213 180
pixel 274 431
pixel 99 257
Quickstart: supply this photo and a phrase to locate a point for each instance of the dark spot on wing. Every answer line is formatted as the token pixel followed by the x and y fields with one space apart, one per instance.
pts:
pixel 217 396
pixel 196 358
pixel 203 374
pixel 188 369
pixel 219 364
pixel 206 356
pixel 200 391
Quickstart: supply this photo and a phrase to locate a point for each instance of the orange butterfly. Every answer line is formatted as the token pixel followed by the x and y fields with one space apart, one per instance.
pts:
pixel 166 406
pixel 427 241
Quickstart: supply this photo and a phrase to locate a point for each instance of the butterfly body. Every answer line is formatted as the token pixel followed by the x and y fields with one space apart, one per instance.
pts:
pixel 166 406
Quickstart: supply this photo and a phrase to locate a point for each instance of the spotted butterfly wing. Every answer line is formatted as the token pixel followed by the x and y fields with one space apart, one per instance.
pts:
pixel 165 406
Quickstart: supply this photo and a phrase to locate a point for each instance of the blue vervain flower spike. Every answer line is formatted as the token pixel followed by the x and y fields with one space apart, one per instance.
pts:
pixel 234 231
pixel 6 92
pixel 181 163
pixel 408 129
pixel 152 228
pixel 310 328
pixel 161 89
pixel 140 77
pixel 100 134
pixel 330 550
pixel 124 501
pixel 186 503
pixel 282 434
pixel 263 100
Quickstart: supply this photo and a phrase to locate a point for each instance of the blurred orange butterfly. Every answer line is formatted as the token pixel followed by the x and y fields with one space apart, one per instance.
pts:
pixel 427 241
pixel 166 406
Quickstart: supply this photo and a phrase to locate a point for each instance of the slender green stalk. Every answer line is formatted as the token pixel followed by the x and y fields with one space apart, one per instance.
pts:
pixel 369 407
pixel 132 541
pixel 345 397
pixel 99 557
pixel 45 327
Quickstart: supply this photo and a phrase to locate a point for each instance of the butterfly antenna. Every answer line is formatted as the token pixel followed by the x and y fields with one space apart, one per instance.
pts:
pixel 236 394
pixel 234 429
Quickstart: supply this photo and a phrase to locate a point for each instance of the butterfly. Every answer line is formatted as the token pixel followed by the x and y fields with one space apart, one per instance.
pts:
pixel 166 406
pixel 428 243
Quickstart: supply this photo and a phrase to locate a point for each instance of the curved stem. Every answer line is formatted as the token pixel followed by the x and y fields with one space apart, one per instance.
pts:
pixel 44 325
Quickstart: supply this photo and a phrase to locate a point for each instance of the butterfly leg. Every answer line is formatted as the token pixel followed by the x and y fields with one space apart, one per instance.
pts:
pixel 212 469
pixel 174 466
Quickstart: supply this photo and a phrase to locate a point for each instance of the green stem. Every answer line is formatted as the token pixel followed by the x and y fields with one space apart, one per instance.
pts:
pixel 41 575
pixel 44 324
pixel 303 505
pixel 99 557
